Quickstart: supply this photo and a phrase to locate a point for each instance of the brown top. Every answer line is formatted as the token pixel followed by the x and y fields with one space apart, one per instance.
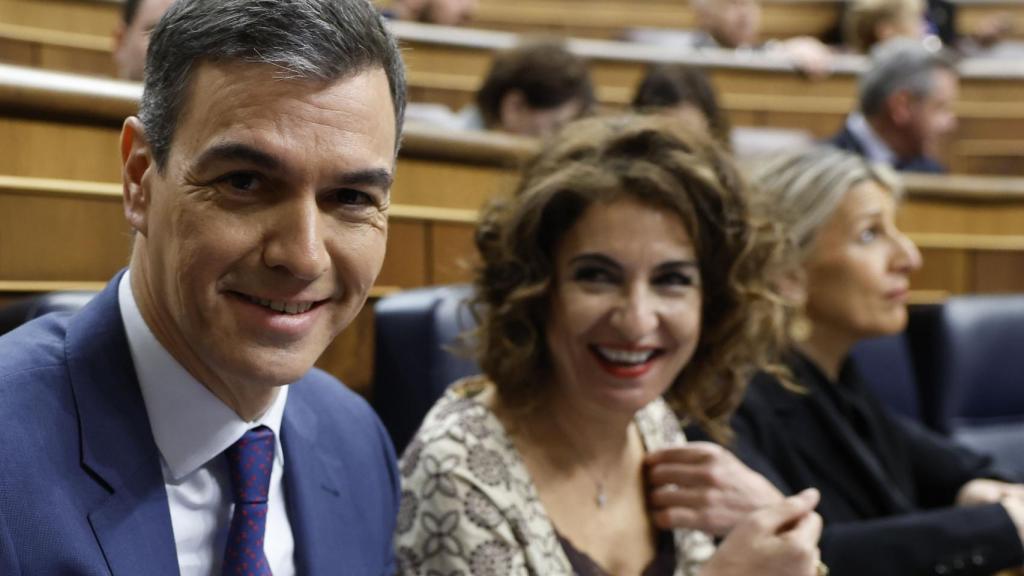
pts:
pixel 663 563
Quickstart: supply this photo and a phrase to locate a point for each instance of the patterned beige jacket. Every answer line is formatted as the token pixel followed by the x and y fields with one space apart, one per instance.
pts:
pixel 470 508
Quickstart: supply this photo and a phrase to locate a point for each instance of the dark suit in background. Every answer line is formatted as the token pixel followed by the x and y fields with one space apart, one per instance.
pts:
pixel 81 488
pixel 847 140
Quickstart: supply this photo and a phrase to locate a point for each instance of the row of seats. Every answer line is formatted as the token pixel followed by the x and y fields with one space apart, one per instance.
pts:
pixel 958 368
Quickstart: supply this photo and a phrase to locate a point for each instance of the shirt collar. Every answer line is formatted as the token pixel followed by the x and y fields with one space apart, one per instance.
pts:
pixel 875 149
pixel 190 424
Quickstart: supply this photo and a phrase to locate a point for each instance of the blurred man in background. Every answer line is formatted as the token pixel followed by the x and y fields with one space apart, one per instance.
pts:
pixel 131 39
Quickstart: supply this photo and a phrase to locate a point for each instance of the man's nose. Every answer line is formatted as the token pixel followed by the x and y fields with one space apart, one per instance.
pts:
pixel 295 241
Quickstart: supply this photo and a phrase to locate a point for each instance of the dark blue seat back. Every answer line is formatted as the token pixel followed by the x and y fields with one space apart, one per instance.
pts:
pixel 22 311
pixel 980 367
pixel 413 362
pixel 887 368
pixel 898 369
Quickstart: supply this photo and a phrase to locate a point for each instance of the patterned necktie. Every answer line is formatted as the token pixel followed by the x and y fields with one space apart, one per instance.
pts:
pixel 249 461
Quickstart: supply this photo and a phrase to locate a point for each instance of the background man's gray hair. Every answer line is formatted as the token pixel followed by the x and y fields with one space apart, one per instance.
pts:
pixel 900 64
pixel 800 190
pixel 317 40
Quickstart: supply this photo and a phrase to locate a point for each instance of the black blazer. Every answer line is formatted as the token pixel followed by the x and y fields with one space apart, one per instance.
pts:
pixel 846 140
pixel 887 505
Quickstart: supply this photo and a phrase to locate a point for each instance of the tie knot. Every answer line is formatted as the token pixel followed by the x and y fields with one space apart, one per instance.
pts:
pixel 250 461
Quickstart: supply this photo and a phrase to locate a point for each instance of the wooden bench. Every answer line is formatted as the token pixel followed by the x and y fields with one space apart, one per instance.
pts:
pixel 61 222
pixel 595 19
pixel 446 66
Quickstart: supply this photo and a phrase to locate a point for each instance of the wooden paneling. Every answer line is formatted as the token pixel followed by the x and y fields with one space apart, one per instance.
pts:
pixel 407 259
pixel 48 149
pixel 54 237
pixel 453 253
pixel 93 17
pixel 350 356
pixel 447 66
pixel 55 50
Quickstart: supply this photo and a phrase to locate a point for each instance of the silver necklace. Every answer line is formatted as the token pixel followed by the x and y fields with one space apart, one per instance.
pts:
pixel 600 495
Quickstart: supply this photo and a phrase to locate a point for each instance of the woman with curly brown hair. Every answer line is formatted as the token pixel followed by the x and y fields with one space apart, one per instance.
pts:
pixel 625 269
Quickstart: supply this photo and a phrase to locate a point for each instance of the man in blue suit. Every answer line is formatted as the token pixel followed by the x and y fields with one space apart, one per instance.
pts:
pixel 906 107
pixel 176 425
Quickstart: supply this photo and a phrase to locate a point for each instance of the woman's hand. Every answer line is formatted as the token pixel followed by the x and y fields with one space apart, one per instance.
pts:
pixel 985 491
pixel 781 540
pixel 702 486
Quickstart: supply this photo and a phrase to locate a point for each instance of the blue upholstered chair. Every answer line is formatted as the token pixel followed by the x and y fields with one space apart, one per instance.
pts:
pixel 887 367
pixel 979 359
pixel 413 362
pixel 898 368
pixel 16 314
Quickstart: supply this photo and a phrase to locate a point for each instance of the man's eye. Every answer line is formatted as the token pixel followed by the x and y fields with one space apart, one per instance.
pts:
pixel 352 197
pixel 243 181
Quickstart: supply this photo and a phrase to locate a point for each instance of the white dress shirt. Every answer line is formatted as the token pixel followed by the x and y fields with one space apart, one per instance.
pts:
pixel 192 428
pixel 875 149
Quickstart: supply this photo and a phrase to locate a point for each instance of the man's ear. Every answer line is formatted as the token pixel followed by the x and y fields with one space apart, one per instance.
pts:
pixel 136 163
pixel 899 105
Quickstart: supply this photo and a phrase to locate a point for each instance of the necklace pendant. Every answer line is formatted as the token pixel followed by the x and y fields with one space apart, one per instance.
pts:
pixel 601 498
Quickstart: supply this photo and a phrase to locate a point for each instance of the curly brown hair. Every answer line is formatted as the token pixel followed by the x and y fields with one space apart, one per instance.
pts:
pixel 662 164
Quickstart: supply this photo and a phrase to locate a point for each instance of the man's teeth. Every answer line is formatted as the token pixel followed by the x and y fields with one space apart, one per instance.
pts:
pixel 282 306
pixel 625 356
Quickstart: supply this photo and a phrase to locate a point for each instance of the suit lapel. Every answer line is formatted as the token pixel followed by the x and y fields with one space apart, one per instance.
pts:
pixel 840 438
pixel 133 526
pixel 866 490
pixel 319 505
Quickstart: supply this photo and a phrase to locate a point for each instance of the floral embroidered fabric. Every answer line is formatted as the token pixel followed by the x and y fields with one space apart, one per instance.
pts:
pixel 469 506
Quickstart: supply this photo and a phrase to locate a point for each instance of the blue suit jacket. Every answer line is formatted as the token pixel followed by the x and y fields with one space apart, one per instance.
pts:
pixel 846 140
pixel 81 489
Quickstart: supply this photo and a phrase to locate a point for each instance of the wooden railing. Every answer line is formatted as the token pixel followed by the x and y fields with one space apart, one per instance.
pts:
pixel 62 224
pixel 446 65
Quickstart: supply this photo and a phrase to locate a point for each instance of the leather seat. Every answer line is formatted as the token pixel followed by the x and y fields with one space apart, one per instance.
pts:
pixel 979 359
pixel 413 360
pixel 898 369
pixel 22 311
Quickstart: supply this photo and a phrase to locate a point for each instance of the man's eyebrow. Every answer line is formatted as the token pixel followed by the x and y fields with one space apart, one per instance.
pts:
pixel 372 177
pixel 236 152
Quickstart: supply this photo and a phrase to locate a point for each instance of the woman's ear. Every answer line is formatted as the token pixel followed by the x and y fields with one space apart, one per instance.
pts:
pixel 791 284
pixel 136 161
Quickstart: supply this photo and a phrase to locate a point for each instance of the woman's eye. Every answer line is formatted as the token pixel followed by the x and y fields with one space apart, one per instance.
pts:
pixel 593 274
pixel 676 279
pixel 868 235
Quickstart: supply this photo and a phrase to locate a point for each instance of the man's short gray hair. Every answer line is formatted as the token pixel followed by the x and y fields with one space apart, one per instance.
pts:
pixel 801 190
pixel 900 64
pixel 319 40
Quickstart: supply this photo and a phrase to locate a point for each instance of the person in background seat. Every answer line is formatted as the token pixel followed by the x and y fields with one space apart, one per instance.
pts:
pixel 906 102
